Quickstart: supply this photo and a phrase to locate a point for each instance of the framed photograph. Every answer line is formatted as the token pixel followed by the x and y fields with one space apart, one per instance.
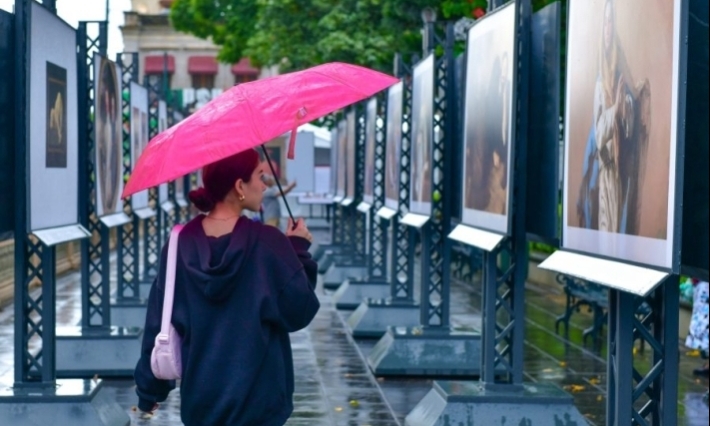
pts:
pixel 422 136
pixel 491 58
pixel 621 132
pixel 53 133
pixel 351 156
pixel 370 139
pixel 108 137
pixel 395 103
pixel 341 171
pixel 277 149
pixel 139 136
pixel 333 188
pixel 544 168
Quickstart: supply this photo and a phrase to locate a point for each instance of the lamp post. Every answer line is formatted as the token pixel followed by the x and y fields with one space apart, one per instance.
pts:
pixel 429 18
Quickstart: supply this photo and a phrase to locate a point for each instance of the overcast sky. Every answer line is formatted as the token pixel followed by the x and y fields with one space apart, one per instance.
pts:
pixel 74 11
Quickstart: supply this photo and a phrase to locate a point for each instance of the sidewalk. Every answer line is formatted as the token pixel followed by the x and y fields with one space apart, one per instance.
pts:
pixel 334 386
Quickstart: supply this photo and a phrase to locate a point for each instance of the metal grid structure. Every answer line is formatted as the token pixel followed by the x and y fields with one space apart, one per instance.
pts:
pixel 378 230
pixel 91 39
pixel 129 266
pixel 505 268
pixel 402 264
pixel 153 225
pixel 642 395
pixel 35 315
pixel 435 294
pixel 357 223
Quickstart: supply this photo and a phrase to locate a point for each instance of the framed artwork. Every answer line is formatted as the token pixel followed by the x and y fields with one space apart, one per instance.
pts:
pixel 139 136
pixel 422 136
pixel 370 141
pixel 621 132
pixel 53 135
pixel 108 137
pixel 395 103
pixel 333 189
pixel 351 156
pixel 489 118
pixel 180 188
pixel 277 149
pixel 341 170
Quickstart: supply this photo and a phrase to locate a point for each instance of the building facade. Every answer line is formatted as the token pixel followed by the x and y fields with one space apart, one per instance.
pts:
pixel 190 61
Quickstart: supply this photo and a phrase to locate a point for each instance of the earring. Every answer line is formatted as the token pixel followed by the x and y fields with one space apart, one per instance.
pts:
pixel 241 197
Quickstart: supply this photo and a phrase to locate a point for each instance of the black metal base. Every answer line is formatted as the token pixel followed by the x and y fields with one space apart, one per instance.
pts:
pixel 372 318
pixel 337 274
pixel 475 403
pixel 71 402
pixel 128 312
pixel 352 293
pixel 110 352
pixel 419 351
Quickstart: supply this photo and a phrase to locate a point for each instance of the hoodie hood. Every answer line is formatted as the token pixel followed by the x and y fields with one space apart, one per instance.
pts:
pixel 219 279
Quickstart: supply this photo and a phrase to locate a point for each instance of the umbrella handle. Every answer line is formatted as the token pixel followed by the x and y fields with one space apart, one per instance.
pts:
pixel 278 184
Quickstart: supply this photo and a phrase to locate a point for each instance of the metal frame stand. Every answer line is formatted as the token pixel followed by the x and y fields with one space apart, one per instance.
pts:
pixel 95 346
pixel 350 262
pixel 643 395
pixel 351 293
pixel 128 309
pixel 440 350
pixel 373 316
pixel 37 397
pixel 501 397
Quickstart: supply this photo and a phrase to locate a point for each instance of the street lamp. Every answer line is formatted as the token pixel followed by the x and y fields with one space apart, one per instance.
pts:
pixel 429 18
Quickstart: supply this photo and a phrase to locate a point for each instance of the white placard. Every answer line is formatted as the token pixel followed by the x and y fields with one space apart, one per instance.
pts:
pixel 114 220
pixel 414 220
pixel 167 206
pixel 139 136
pixel 53 193
pixel 481 239
pixel 145 213
pixel 386 213
pixel 617 275
pixel 364 207
pixel 338 199
pixel 53 236
pixel 346 202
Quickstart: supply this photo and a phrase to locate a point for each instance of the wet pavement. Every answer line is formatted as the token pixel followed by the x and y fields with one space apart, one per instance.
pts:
pixel 334 386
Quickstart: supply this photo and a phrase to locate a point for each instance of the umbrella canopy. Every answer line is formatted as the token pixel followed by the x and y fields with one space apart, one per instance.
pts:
pixel 249 115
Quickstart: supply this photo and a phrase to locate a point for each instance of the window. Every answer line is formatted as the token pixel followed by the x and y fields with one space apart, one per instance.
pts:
pixel 202 81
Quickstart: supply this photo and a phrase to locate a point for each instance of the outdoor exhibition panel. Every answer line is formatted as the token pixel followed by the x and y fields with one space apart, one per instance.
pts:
pixel 422 137
pixel 368 195
pixel 53 186
pixel 395 103
pixel 139 136
pixel 7 101
pixel 108 137
pixel 489 122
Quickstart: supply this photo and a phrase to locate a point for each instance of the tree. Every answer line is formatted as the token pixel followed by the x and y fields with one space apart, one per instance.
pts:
pixel 295 34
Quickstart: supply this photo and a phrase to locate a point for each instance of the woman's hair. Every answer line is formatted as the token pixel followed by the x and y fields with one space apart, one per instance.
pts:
pixel 219 177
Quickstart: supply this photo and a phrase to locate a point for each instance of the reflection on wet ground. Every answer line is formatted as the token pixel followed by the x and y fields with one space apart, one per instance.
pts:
pixel 334 386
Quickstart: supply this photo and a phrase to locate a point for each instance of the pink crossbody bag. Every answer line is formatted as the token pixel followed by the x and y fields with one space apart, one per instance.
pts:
pixel 166 359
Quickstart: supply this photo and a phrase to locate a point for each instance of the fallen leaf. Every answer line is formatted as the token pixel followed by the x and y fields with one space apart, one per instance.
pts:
pixel 693 353
pixel 600 397
pixel 594 381
pixel 563 364
pixel 574 388
pixel 354 403
pixel 338 409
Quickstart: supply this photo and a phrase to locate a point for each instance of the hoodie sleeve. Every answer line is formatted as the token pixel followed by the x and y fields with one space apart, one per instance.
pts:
pixel 150 389
pixel 293 302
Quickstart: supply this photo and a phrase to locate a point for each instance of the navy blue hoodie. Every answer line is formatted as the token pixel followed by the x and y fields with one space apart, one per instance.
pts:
pixel 234 314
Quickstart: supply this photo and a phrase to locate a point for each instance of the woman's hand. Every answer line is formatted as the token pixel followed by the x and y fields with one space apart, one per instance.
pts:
pixel 300 230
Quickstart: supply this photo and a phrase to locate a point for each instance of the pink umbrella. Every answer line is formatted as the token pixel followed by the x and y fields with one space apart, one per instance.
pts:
pixel 250 114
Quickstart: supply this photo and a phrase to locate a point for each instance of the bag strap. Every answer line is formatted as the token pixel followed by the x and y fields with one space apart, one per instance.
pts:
pixel 170 280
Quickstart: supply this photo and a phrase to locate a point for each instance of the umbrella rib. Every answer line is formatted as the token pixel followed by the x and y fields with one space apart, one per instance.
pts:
pixel 343 82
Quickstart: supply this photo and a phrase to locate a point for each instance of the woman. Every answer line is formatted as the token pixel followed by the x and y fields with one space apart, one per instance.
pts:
pixel 620 137
pixel 698 329
pixel 240 288
pixel 271 206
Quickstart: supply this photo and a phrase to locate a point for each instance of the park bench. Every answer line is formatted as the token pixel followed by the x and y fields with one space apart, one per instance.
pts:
pixel 580 293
